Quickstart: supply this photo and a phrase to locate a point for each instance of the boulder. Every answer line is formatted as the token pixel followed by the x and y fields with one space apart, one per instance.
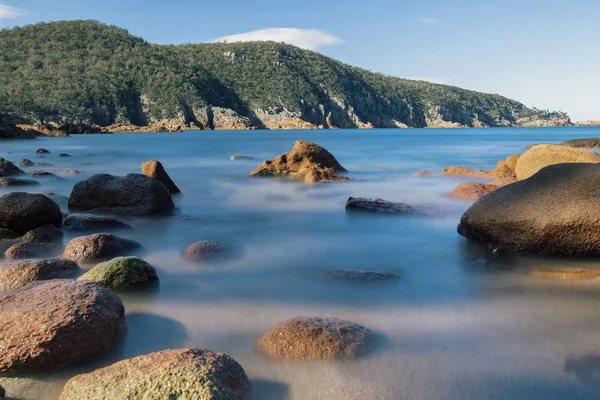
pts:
pixel 505 170
pixel 304 338
pixel 306 160
pixel 357 275
pixel 168 374
pixel 593 142
pixel 202 249
pixel 472 190
pixel 133 194
pixel 64 155
pixel 554 212
pixel 43 234
pixel 9 168
pixel 18 274
pixel 8 234
pixel 379 206
pixel 566 274
pixel 24 212
pixel 56 323
pixel 8 182
pixel 47 175
pixel 123 273
pixel 155 169
pixel 90 222
pixel 26 163
pixel 42 151
pixel 461 171
pixel 22 251
pixel 239 157
pixel 543 155
pixel 98 247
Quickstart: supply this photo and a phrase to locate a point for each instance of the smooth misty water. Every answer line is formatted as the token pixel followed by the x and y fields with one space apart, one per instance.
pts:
pixel 451 328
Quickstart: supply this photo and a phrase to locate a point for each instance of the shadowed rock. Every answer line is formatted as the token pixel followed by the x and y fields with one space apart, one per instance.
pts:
pixel 202 249
pixel 18 274
pixel 98 247
pixel 50 314
pixel 21 251
pixel 304 338
pixel 9 168
pixel 90 222
pixel 123 273
pixel 8 182
pixel 379 206
pixel 542 155
pixel 8 234
pixel 70 171
pixel 155 169
pixel 43 234
pixel 168 374
pixel 472 190
pixel 24 212
pixel 357 275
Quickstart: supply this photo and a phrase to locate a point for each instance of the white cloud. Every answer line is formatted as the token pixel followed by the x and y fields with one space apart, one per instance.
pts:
pixel 428 20
pixel 310 39
pixel 7 12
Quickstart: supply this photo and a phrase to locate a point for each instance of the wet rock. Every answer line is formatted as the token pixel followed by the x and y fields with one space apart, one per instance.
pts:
pixel 43 234
pixel 239 157
pixel 155 169
pixel 9 182
pixel 44 164
pixel 42 151
pixel 91 222
pixel 472 190
pixel 22 251
pixel 566 274
pixel 202 249
pixel 26 163
pixel 70 171
pixel 168 374
pixel 593 142
pixel 98 247
pixel 45 174
pixel 554 212
pixel 306 160
pixel 543 155
pixel 24 212
pixel 304 338
pixel 133 194
pixel 123 273
pixel 51 316
pixel 357 275
pixel 461 171
pixel 18 274
pixel 379 206
pixel 64 155
pixel 8 234
pixel 9 168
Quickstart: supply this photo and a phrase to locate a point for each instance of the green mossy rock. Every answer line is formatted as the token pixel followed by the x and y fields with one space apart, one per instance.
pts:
pixel 123 273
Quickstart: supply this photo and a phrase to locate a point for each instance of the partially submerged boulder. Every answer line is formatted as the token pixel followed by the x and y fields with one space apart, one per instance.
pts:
pixel 306 160
pixel 357 275
pixel 472 190
pixel 56 323
pixel 155 169
pixel 543 155
pixel 22 251
pixel 133 194
pixel 9 168
pixel 379 206
pixel 43 234
pixel 202 249
pixel 168 374
pixel 23 212
pixel 90 222
pixel 18 274
pixel 461 171
pixel 26 163
pixel 240 157
pixel 8 182
pixel 42 151
pixel 98 247
pixel 554 212
pixel 123 273
pixel 46 175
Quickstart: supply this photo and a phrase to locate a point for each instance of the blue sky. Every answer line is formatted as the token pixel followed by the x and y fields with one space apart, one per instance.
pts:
pixel 541 52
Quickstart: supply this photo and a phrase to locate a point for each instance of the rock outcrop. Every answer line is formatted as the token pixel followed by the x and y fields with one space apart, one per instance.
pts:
pixel 543 155
pixel 24 212
pixel 133 194
pixel 304 338
pixel 98 247
pixel 122 274
pixel 307 161
pixel 168 374
pixel 56 323
pixel 155 169
pixel 472 190
pixel 18 274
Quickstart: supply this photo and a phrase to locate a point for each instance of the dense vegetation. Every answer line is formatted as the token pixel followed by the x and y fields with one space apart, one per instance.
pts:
pixel 85 72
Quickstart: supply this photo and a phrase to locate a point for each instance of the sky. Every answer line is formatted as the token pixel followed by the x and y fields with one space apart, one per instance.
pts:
pixel 543 53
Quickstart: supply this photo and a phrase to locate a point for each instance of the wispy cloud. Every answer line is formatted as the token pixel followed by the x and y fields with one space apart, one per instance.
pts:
pixel 428 20
pixel 311 39
pixel 7 12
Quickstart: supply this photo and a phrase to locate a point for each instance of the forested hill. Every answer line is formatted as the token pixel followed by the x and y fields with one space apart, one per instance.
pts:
pixel 81 74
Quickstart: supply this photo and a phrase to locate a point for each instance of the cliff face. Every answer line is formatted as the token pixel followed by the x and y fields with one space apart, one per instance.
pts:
pixel 86 77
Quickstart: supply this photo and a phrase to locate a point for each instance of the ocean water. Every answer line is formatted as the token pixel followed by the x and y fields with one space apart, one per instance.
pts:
pixel 453 327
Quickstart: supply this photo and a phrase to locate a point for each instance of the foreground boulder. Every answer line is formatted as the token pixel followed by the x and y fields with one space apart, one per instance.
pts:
pixel 155 169
pixel 123 273
pixel 57 323
pixel 24 212
pixel 202 249
pixel 304 338
pixel 22 251
pixel 18 274
pixel 472 190
pixel 306 160
pixel 543 155
pixel 98 247
pixel 554 212
pixel 379 206
pixel 8 182
pixel 9 168
pixel 90 222
pixel 168 374
pixel 133 194
pixel 357 275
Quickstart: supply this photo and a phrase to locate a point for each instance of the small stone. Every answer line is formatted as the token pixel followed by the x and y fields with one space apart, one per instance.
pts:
pixel 379 206
pixel 202 249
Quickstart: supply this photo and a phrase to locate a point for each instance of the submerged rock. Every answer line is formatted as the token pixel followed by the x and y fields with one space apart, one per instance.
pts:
pixel 357 275
pixel 566 274
pixel 7 182
pixel 47 175
pixel 554 212
pixel 90 222
pixel 202 249
pixel 43 234
pixel 461 171
pixel 123 273
pixel 133 194
pixel 50 315
pixel 168 374
pixel 22 251
pixel 155 169
pixel 304 338
pixel 306 160
pixel 9 168
pixel 26 163
pixel 472 190
pixel 543 155
pixel 239 157
pixel 379 206
pixel 70 171
pixel 23 212
pixel 42 151
pixel 44 164
pixel 64 155
pixel 98 247
pixel 18 274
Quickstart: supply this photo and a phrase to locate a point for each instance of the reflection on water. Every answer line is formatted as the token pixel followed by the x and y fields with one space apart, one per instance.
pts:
pixel 461 323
